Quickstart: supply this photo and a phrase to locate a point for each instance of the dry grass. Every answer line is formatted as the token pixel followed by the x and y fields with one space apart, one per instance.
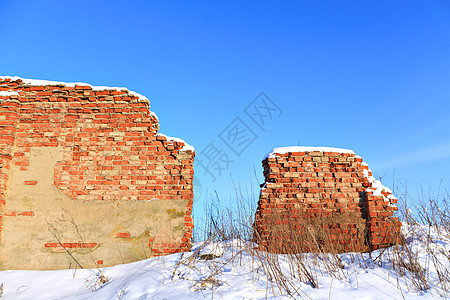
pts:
pixel 97 279
pixel 233 225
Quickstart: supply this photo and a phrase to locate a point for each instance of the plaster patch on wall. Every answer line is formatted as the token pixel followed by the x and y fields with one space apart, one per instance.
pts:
pixel 56 218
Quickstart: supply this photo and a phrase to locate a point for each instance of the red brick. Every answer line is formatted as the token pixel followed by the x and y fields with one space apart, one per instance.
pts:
pixel 123 234
pixel 26 213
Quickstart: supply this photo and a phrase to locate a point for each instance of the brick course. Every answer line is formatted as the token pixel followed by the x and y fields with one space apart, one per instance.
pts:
pixel 319 199
pixel 111 151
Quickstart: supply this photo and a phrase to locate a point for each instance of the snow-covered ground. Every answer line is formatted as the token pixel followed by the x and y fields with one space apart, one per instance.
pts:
pixel 235 270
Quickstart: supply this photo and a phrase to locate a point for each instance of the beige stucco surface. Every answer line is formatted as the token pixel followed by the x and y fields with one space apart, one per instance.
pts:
pixel 57 218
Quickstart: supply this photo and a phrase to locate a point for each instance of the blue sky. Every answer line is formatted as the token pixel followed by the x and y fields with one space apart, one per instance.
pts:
pixel 370 76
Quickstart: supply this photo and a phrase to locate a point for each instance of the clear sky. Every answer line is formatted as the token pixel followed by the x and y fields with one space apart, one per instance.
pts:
pixel 372 76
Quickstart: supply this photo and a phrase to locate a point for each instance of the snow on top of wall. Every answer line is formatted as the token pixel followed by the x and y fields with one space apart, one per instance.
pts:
pixel 4 93
pixel 71 84
pixel 377 187
pixel 282 150
pixel 186 146
pixel 154 115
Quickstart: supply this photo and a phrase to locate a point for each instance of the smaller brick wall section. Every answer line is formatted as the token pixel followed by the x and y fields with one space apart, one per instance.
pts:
pixel 320 198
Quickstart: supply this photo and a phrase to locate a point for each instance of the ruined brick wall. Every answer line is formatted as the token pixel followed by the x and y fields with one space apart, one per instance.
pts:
pixel 319 198
pixel 84 171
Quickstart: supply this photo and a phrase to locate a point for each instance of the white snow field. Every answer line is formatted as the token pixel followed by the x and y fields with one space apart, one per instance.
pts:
pixel 237 270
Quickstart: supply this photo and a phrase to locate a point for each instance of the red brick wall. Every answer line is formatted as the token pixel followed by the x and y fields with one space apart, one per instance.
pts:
pixel 8 125
pixel 111 149
pixel 314 200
